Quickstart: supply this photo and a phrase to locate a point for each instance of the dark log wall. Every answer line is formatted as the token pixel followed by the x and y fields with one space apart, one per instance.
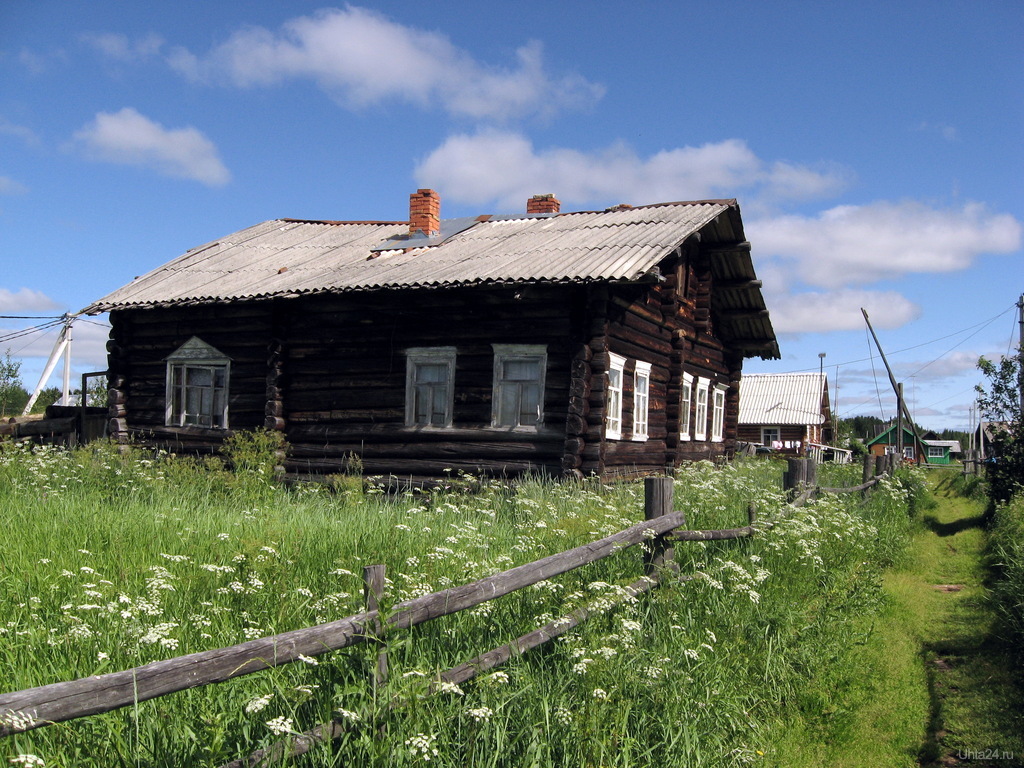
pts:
pixel 345 378
pixel 330 372
pixel 670 325
pixel 141 340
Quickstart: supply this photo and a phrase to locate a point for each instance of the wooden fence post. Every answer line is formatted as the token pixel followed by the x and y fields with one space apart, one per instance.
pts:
pixel 373 592
pixel 811 471
pixel 796 470
pixel 658 502
pixel 880 464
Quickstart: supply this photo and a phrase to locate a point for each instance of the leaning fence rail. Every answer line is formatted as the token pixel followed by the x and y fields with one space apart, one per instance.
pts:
pixel 33 708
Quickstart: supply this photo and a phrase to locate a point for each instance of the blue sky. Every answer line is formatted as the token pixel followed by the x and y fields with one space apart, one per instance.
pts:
pixel 875 149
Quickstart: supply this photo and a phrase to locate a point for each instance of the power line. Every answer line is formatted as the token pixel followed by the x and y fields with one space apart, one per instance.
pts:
pixel 29 331
pixel 31 317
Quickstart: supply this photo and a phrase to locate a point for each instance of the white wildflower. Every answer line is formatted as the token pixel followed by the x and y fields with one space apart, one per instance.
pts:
pixel 280 725
pixel 258 704
pixel 481 714
pixel 422 745
pixel 448 687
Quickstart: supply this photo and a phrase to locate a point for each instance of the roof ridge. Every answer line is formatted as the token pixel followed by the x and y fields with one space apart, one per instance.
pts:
pixel 330 221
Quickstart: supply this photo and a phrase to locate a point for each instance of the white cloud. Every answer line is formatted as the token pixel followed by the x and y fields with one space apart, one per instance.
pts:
pixel 120 48
pixel 130 138
pixel 26 134
pixel 859 244
pixel 504 167
pixel 9 186
pixel 821 312
pixel 25 300
pixel 361 57
pixel 948 132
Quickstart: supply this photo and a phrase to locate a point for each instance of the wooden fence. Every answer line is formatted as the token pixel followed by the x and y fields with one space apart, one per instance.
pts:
pixel 58 702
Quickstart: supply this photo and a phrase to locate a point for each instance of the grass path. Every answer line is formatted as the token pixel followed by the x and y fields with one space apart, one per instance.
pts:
pixel 975 687
pixel 931 685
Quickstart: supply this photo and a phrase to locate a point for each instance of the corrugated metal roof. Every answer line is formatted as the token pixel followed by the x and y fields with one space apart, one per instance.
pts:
pixel 781 398
pixel 285 257
pixel 289 257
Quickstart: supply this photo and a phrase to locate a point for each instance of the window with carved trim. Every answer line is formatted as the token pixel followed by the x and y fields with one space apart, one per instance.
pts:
pixel 700 416
pixel 429 386
pixel 518 393
pixel 613 404
pixel 641 399
pixel 718 413
pixel 685 406
pixel 197 386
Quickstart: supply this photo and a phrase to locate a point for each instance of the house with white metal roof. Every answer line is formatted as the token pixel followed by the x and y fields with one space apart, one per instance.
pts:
pixel 787 412
pixel 564 343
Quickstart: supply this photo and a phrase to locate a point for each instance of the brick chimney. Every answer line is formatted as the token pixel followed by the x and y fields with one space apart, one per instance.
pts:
pixel 425 212
pixel 543 204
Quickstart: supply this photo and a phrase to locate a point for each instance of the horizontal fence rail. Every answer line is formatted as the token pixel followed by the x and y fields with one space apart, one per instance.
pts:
pixel 58 702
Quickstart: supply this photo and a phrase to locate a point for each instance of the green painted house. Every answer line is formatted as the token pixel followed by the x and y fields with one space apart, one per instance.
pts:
pixel 931 450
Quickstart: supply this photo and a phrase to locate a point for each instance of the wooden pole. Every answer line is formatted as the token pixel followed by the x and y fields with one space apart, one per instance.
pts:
pixel 373 592
pixel 810 471
pixel 658 503
pixel 795 476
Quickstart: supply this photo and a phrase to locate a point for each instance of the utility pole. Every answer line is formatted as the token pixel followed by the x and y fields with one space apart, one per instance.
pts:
pixel 1020 353
pixel 918 444
pixel 821 392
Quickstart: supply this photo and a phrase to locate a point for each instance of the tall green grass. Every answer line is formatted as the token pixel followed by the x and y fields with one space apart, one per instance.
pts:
pixel 113 560
pixel 1006 557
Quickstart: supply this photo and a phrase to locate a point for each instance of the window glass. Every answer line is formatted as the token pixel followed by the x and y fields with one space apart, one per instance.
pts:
pixel 429 387
pixel 685 406
pixel 641 399
pixel 718 413
pixel 613 406
pixel 518 391
pixel 700 416
pixel 197 386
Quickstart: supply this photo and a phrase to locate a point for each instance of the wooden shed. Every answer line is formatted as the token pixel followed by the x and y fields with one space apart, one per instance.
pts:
pixel 599 342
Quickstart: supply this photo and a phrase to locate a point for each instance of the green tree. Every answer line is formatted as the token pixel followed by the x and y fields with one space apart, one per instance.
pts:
pixel 11 389
pixel 999 402
pixel 47 396
pixel 97 392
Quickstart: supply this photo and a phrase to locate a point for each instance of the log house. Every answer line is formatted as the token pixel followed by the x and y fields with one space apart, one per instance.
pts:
pixel 602 342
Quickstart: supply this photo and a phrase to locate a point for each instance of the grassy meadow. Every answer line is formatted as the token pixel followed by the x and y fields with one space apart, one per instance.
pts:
pixel 114 560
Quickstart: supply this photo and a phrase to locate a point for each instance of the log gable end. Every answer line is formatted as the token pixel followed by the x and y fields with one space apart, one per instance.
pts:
pixel 573 377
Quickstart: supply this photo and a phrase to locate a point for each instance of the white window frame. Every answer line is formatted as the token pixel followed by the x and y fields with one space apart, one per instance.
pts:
pixel 700 416
pixel 196 355
pixel 936 452
pixel 685 406
pixel 718 413
pixel 613 401
pixel 766 438
pixel 641 400
pixel 420 356
pixel 504 353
